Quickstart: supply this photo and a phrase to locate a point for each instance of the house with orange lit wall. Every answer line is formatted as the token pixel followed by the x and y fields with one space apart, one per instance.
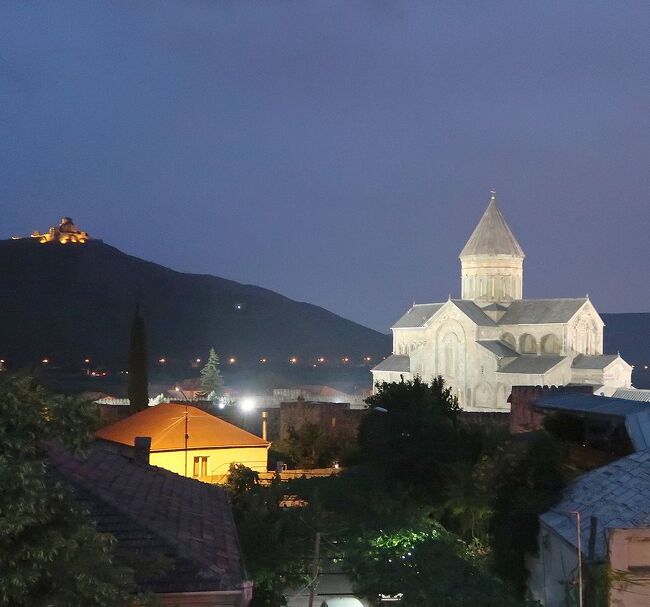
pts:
pixel 211 447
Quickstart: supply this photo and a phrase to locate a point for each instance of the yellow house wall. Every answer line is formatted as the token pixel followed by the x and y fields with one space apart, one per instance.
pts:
pixel 219 460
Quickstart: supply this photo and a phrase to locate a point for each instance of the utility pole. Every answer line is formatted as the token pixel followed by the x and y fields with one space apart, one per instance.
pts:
pixel 315 570
pixel 579 534
pixel 187 436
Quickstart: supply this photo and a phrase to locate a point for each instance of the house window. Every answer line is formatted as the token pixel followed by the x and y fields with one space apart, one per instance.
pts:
pixel 200 467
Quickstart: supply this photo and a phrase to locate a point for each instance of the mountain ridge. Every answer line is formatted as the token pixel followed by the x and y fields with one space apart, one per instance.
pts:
pixel 66 300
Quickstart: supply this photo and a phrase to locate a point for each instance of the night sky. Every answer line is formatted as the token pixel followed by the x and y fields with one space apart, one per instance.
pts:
pixel 339 153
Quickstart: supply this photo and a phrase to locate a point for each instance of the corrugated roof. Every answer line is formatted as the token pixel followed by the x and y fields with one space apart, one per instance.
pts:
pixel 618 494
pixel 152 512
pixel 541 311
pixel 500 348
pixel 492 235
pixel 399 363
pixel 417 315
pixel 593 362
pixel 532 364
pixel 636 414
pixel 165 424
pixel 632 394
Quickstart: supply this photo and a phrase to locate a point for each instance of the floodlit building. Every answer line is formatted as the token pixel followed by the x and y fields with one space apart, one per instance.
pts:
pixel 211 446
pixel 492 339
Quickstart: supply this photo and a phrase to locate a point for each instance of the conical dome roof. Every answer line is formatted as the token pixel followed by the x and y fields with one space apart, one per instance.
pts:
pixel 492 236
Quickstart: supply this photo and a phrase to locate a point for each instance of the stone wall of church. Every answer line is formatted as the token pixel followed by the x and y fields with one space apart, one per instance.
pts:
pixel 584 334
pixel 494 278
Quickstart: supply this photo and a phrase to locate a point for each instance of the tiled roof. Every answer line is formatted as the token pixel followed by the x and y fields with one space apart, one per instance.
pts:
pixel 399 363
pixel 154 512
pixel 593 362
pixel 635 414
pixel 617 494
pixel 531 364
pixel 492 235
pixel 541 311
pixel 165 424
pixel 417 315
pixel 500 348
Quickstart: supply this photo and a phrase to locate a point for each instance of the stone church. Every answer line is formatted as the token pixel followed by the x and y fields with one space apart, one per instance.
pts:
pixel 492 339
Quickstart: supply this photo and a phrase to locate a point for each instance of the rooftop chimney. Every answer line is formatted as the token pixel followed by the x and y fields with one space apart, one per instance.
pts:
pixel 141 450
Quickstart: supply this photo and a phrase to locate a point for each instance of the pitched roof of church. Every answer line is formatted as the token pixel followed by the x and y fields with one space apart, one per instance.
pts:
pixel 492 235
pixel 594 362
pixel 165 424
pixel 541 311
pixel 532 364
pixel 417 315
pixel 399 363
pixel 498 347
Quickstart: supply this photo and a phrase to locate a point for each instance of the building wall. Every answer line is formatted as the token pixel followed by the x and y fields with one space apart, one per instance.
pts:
pixel 552 570
pixel 523 418
pixel 332 418
pixel 219 460
pixel 492 278
pixel 629 558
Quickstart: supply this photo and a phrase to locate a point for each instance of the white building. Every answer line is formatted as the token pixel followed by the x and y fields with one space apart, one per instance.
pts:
pixel 491 339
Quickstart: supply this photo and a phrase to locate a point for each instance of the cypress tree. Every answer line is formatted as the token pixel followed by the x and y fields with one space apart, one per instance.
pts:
pixel 138 380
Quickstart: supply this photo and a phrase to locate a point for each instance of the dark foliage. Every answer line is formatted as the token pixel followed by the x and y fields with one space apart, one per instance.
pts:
pixel 50 553
pixel 529 480
pixel 413 432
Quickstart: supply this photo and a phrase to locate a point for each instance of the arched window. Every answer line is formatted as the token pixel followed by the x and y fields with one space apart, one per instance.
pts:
pixel 450 355
pixel 527 344
pixel 550 344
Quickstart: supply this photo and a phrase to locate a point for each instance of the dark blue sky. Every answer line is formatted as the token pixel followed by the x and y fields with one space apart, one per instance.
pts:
pixel 337 152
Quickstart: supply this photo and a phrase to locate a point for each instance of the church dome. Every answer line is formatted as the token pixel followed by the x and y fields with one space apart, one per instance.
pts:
pixel 492 235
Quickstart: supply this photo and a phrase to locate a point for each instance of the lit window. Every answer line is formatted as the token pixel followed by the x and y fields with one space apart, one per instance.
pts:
pixel 200 466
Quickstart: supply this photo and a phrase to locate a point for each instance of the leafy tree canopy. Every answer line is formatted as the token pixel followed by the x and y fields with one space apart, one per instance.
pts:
pixel 413 432
pixel 50 554
pixel 274 540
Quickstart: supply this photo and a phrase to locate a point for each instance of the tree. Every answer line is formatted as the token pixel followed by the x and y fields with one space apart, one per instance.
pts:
pixel 427 565
pixel 413 432
pixel 310 447
pixel 138 381
pixel 211 379
pixel 274 539
pixel 50 553
pixel 529 481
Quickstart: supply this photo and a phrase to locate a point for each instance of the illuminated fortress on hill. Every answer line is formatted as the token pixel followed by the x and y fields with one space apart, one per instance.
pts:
pixel 66 232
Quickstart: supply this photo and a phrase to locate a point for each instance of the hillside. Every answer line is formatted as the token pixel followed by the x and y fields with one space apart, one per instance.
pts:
pixel 69 302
